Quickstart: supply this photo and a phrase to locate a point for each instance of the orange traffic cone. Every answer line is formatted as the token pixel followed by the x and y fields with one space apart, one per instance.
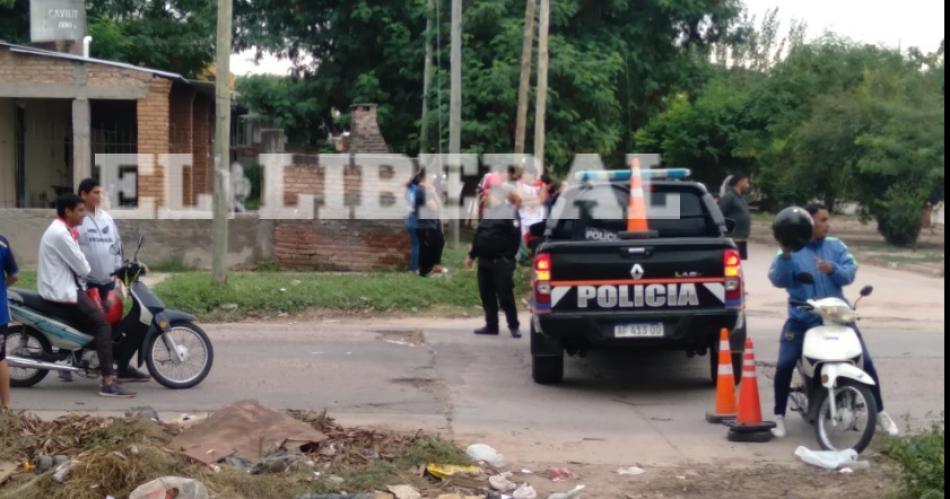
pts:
pixel 636 207
pixel 725 383
pixel 748 425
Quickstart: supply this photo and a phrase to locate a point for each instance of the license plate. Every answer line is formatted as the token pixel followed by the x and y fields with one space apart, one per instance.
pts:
pixel 646 330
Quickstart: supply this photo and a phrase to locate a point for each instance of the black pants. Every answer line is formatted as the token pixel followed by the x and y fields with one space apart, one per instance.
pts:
pixel 496 287
pixel 90 318
pixel 3 342
pixel 431 244
pixel 124 349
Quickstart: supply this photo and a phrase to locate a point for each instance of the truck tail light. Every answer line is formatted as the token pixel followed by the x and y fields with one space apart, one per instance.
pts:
pixel 542 284
pixel 732 270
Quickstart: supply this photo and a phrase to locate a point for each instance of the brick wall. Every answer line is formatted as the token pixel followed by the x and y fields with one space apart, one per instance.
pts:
pixel 358 245
pixel 338 244
pixel 365 136
pixel 187 242
pixel 27 68
pixel 153 135
pixel 22 68
pixel 201 146
pixel 180 132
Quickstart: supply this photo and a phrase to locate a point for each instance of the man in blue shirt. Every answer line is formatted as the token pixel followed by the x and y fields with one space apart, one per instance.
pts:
pixel 8 277
pixel 833 268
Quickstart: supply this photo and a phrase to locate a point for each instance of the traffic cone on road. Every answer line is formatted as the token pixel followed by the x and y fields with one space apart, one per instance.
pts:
pixel 725 383
pixel 637 208
pixel 748 425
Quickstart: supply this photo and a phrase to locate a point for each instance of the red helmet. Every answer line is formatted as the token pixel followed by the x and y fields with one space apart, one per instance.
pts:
pixel 113 308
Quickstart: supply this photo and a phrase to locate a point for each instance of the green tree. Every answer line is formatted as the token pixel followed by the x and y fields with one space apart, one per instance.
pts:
pixel 612 64
pixel 903 161
pixel 172 35
pixel 704 134
pixel 15 21
pixel 293 104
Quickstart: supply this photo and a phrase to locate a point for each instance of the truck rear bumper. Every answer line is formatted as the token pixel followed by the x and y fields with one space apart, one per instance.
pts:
pixel 693 331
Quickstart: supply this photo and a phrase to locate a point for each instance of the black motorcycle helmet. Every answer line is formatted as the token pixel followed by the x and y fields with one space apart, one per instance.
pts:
pixel 793 228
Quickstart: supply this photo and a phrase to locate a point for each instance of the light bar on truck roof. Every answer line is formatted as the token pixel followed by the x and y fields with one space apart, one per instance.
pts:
pixel 624 175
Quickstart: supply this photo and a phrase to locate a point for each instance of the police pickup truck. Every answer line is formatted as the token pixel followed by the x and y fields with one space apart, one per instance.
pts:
pixel 596 285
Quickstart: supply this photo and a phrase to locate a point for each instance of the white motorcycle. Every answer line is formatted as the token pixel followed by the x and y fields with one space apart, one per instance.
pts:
pixel 833 391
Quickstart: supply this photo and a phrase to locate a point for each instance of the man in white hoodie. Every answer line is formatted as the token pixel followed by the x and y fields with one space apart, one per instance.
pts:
pixel 101 243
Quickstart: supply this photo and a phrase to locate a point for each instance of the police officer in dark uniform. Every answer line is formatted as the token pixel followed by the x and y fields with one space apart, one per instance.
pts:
pixel 495 245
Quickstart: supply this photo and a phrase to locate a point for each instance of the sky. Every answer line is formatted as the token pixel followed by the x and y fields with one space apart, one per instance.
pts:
pixel 904 23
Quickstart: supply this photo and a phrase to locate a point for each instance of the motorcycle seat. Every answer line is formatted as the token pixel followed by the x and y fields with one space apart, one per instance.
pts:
pixel 35 302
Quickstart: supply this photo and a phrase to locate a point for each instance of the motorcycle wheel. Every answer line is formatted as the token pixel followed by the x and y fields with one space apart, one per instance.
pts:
pixel 196 349
pixel 29 344
pixel 855 404
pixel 797 397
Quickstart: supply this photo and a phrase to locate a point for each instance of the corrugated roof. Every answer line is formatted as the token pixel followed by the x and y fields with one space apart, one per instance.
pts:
pixel 24 49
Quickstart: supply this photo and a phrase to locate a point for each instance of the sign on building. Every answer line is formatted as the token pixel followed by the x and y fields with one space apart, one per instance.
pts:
pixel 55 20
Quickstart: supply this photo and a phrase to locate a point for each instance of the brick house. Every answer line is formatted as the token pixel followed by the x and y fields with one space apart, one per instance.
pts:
pixel 58 110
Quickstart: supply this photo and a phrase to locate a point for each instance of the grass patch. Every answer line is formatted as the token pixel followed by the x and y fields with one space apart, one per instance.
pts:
pixel 169 267
pixel 921 458
pixel 27 280
pixel 267 292
pixel 270 293
pixel 433 450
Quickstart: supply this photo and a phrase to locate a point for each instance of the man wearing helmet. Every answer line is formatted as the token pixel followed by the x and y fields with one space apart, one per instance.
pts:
pixel 833 267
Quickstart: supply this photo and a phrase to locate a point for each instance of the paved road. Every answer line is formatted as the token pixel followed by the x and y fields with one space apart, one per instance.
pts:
pixel 613 409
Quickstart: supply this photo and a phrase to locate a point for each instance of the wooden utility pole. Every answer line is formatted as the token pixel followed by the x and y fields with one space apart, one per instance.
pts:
pixel 527 57
pixel 427 82
pixel 542 101
pixel 455 110
pixel 222 143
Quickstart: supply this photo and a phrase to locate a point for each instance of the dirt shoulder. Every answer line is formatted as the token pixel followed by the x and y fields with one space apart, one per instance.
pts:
pixel 728 482
pixel 927 258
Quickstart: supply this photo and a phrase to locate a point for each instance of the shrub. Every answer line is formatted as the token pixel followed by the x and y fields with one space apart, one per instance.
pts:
pixel 921 458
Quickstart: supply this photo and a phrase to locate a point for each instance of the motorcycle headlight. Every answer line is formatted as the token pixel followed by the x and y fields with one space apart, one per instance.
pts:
pixel 841 314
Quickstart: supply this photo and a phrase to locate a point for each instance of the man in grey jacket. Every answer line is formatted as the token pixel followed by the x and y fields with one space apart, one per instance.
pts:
pixel 101 243
pixel 733 205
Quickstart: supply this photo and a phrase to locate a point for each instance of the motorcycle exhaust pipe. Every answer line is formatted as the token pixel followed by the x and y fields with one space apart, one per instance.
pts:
pixel 22 363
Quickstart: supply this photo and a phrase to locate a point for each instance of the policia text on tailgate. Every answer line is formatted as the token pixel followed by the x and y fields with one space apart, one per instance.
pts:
pixel 597 285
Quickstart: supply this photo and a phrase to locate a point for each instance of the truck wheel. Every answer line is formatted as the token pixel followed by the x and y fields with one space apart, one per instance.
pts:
pixel 547 359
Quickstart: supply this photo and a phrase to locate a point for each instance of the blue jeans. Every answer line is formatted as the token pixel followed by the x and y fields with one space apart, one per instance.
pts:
pixel 789 353
pixel 413 242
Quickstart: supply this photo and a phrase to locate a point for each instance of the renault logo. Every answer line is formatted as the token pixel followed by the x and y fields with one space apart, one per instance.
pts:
pixel 636 271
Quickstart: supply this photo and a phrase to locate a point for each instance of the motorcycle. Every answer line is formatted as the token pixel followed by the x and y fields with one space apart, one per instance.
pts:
pixel 177 352
pixel 833 392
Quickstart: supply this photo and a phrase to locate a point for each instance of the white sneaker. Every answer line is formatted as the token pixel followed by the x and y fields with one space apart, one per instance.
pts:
pixel 779 431
pixel 887 425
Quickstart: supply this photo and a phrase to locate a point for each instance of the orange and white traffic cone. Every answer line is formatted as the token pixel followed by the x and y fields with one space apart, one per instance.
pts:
pixel 725 383
pixel 748 425
pixel 636 207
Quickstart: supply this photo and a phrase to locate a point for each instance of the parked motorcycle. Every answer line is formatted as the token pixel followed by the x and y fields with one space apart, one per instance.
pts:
pixel 833 392
pixel 177 352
